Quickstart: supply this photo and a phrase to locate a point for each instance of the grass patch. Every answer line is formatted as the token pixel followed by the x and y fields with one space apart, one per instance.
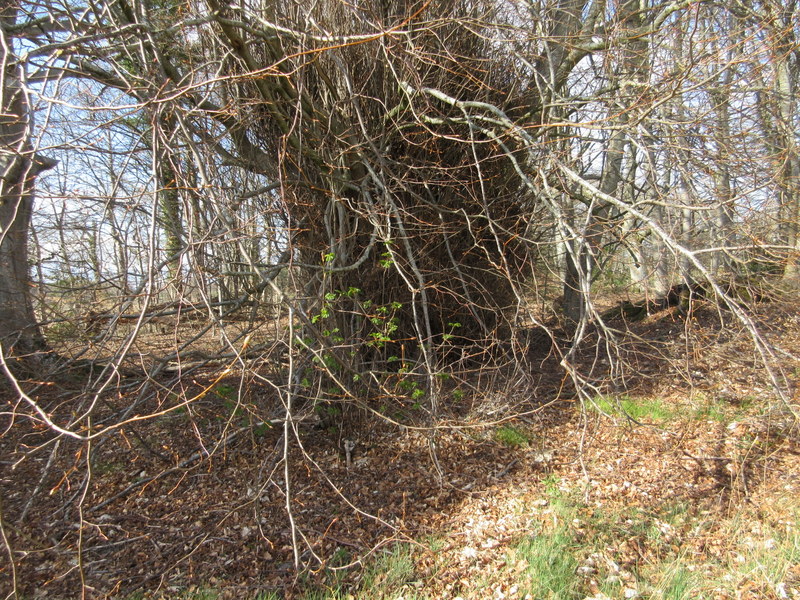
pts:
pixel 511 436
pixel 638 409
pixel 553 553
pixel 387 576
pixel 551 565
pixel 677 583
pixel 763 556
pixel 267 596
pixel 389 573
pixel 710 408
pixel 711 411
pixel 578 547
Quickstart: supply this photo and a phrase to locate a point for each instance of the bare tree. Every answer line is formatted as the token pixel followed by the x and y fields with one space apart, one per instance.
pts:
pixel 19 330
pixel 778 21
pixel 408 185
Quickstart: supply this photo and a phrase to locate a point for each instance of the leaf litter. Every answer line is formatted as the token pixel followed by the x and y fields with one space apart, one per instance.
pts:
pixel 714 485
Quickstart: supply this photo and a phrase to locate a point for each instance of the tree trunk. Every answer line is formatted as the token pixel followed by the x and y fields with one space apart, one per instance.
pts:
pixel 19 331
pixel 777 114
pixel 722 219
pixel 170 208
pixel 576 300
pixel 790 156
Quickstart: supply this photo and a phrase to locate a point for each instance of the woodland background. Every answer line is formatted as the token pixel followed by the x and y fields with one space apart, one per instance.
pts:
pixel 353 299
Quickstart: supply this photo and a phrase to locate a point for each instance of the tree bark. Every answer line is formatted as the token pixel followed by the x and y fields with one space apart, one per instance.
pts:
pixel 19 331
pixel 631 70
pixel 789 187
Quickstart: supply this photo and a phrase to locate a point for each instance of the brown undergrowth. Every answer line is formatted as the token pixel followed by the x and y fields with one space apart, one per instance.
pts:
pixel 192 502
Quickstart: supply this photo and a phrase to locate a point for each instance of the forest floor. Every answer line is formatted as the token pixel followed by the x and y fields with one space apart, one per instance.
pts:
pixel 528 493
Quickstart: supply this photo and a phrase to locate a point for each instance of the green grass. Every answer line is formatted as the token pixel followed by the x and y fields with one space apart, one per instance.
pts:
pixel 551 564
pixel 638 409
pixel 569 531
pixel 710 408
pixel 552 552
pixel 703 407
pixel 756 553
pixel 677 583
pixel 389 572
pixel 762 554
pixel 711 411
pixel 386 576
pixel 511 436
